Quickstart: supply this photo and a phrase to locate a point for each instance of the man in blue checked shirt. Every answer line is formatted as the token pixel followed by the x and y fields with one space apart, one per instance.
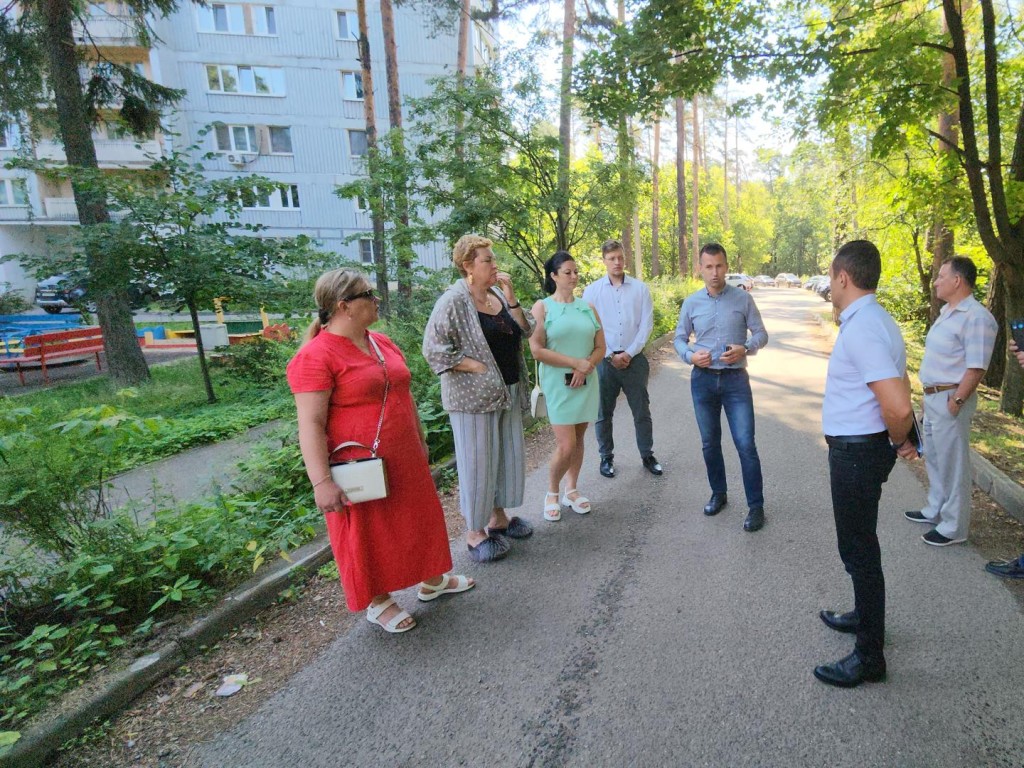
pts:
pixel 726 327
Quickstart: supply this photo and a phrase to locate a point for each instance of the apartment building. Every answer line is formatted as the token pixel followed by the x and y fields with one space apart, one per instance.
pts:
pixel 272 89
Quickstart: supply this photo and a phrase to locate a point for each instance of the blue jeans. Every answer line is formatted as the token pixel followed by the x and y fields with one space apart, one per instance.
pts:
pixel 730 390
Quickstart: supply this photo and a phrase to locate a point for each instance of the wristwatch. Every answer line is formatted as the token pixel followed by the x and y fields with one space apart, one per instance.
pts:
pixel 958 400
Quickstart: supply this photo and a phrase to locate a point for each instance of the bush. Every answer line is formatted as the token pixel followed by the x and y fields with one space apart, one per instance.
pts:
pixel 12 302
pixel 902 298
pixel 64 617
pixel 667 295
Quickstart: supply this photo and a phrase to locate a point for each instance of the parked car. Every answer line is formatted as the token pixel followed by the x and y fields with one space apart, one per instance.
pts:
pixel 787 280
pixel 824 289
pixel 814 283
pixel 739 280
pixel 56 293
pixel 763 281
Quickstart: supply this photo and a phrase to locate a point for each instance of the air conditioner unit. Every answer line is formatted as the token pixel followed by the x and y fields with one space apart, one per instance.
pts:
pixel 238 160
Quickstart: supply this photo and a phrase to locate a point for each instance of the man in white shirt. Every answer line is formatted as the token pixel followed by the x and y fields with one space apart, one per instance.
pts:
pixel 956 353
pixel 627 313
pixel 867 417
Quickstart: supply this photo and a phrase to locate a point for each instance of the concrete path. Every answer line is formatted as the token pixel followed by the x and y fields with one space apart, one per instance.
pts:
pixel 647 634
pixel 191 475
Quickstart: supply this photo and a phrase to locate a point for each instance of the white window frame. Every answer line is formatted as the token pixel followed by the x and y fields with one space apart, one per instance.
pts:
pixel 234 19
pixel 10 135
pixel 366 249
pixel 250 133
pixel 280 199
pixel 351 151
pixel 7 198
pixel 351 24
pixel 272 76
pixel 352 86
pixel 270 140
pixel 360 204
pixel 268 15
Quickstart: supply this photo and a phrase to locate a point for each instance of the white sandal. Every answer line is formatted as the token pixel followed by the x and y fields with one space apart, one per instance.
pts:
pixel 577 504
pixel 450 584
pixel 552 512
pixel 374 612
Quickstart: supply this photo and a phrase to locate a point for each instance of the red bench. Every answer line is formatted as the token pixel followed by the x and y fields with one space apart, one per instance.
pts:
pixel 43 348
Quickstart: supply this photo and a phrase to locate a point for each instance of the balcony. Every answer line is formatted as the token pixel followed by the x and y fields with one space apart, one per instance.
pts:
pixel 14 212
pixel 114 31
pixel 110 153
pixel 64 209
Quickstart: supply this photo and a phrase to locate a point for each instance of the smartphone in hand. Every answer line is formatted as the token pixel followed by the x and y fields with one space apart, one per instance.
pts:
pixel 1017 331
pixel 568 380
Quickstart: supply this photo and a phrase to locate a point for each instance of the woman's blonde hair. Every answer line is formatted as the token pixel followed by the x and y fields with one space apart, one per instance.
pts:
pixel 332 287
pixel 465 250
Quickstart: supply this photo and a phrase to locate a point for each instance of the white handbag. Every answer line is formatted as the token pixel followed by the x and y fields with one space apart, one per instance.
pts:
pixel 538 406
pixel 364 479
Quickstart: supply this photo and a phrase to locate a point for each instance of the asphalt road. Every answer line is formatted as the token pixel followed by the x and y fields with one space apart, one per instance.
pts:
pixel 648 634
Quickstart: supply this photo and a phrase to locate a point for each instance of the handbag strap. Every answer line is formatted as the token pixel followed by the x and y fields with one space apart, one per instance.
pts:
pixel 380 421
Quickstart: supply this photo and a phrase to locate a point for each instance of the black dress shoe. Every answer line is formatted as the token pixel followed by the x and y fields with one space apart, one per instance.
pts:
pixel 715 503
pixel 851 671
pixel 755 519
pixel 841 622
pixel 607 468
pixel 651 465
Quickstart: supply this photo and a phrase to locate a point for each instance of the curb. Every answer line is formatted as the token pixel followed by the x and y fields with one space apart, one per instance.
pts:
pixel 1002 489
pixel 242 603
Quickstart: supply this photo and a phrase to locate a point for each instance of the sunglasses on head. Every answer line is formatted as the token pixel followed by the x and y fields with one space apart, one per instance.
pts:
pixel 364 295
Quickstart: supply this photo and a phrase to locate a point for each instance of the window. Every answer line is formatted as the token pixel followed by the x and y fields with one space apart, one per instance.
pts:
pixel 228 78
pixel 263 20
pixel 13 192
pixel 347 27
pixel 357 146
pixel 285 197
pixel 366 251
pixel 360 204
pixel 352 86
pixel 235 19
pixel 97 10
pixel 236 138
pixel 8 135
pixel 280 139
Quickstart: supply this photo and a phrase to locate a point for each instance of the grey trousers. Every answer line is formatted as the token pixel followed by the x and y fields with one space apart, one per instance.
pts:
pixel 491 461
pixel 633 381
pixel 948 461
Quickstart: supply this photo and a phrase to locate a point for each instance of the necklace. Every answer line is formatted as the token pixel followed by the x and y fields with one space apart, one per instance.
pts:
pixel 486 303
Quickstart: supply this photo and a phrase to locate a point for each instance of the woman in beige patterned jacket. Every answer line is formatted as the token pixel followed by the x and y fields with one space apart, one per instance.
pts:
pixel 473 341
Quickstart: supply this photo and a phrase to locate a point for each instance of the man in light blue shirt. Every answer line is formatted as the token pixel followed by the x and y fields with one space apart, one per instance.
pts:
pixel 719 317
pixel 956 353
pixel 627 313
pixel 866 416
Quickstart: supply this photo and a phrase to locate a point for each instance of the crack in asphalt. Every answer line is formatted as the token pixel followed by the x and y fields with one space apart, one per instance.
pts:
pixel 554 730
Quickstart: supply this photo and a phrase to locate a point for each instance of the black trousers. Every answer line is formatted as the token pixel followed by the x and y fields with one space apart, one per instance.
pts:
pixel 857 472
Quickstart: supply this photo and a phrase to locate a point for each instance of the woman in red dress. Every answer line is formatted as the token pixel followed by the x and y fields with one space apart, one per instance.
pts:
pixel 339 384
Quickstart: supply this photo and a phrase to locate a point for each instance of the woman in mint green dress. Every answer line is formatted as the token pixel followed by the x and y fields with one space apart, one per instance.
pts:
pixel 568 344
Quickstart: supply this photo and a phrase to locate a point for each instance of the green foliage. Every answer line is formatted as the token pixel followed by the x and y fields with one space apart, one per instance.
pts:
pixel 12 302
pixel 262 362
pixel 64 618
pixel 667 295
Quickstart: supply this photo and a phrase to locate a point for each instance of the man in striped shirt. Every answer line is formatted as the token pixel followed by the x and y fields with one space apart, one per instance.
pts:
pixel 956 353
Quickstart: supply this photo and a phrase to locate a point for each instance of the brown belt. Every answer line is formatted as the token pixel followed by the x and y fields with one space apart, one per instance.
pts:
pixel 939 388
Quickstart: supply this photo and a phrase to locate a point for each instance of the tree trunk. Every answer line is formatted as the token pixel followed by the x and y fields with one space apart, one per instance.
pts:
pixel 995 301
pixel 694 230
pixel 943 241
pixel 565 125
pixel 638 256
pixel 682 251
pixel 402 240
pixel 193 311
pixel 725 163
pixel 372 160
pixel 1012 398
pixel 108 276
pixel 624 158
pixel 655 199
pixel 461 58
